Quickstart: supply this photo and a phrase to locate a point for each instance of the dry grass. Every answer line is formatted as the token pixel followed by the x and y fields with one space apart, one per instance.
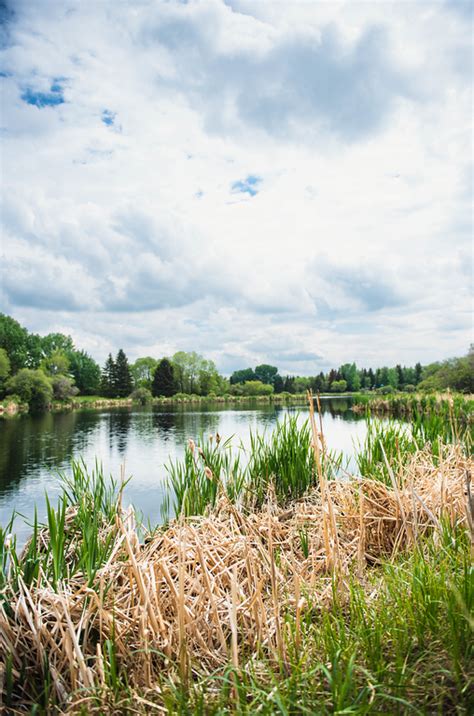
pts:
pixel 214 590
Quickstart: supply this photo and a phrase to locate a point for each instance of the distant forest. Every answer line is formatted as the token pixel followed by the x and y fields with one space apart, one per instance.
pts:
pixel 38 369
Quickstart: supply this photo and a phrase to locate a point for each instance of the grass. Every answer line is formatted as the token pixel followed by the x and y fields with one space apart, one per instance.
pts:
pixel 283 461
pixel 279 590
pixel 401 644
pixel 444 409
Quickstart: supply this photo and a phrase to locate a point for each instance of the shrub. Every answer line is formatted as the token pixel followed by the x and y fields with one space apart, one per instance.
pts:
pixel 385 390
pixel 63 387
pixel 33 387
pixel 338 386
pixel 256 387
pixel 142 396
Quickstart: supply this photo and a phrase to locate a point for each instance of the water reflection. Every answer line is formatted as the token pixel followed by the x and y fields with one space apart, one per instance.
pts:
pixel 34 448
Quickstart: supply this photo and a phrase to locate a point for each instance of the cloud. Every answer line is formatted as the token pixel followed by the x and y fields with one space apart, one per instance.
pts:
pixel 136 138
pixel 302 83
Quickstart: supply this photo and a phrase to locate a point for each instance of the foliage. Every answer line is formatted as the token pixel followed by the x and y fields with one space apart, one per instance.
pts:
pixel 142 396
pixel 194 374
pixel 57 363
pixel 14 340
pixel 164 383
pixel 122 378
pixel 33 387
pixel 86 373
pixel 107 383
pixel 4 369
pixel 338 386
pixel 242 376
pixel 456 373
pixel 266 373
pixel 54 342
pixel 252 388
pixel 116 377
pixel 63 387
pixel 143 371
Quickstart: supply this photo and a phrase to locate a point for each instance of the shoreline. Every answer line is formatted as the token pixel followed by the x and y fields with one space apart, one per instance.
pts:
pixel 394 403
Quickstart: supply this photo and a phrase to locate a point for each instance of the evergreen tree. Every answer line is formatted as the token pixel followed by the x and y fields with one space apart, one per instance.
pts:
pixel 418 372
pixel 164 383
pixel 86 373
pixel 107 383
pixel 278 383
pixel 123 383
pixel 371 377
pixel 400 376
pixel 289 384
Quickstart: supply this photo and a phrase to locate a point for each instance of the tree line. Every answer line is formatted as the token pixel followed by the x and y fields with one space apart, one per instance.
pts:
pixel 39 369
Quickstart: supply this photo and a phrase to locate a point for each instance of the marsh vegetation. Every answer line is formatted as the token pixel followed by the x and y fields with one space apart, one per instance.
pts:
pixel 282 584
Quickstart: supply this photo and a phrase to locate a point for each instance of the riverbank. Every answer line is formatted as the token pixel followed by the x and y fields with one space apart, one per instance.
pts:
pixel 406 406
pixel 95 402
pixel 337 596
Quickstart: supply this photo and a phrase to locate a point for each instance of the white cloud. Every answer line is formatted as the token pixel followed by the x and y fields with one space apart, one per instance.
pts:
pixel 144 231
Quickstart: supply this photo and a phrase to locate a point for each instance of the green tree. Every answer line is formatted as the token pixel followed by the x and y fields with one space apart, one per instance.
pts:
pixel 107 383
pixel 143 371
pixel 455 373
pixel 319 383
pixel 278 384
pixel 209 379
pixel 392 377
pixel 34 349
pixel 266 373
pixel 187 368
pixel 32 387
pixel 418 373
pixel 123 377
pixel 400 375
pixel 339 386
pixel 14 341
pixel 4 370
pixel 349 373
pixel 56 363
pixel 164 383
pixel 86 373
pixel 56 342
pixel 371 377
pixel 241 376
pixel 301 384
pixel 289 384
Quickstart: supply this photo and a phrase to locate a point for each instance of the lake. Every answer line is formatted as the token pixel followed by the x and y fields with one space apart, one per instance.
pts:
pixel 33 449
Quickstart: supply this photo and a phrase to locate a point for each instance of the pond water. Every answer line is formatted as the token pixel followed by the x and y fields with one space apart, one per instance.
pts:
pixel 33 449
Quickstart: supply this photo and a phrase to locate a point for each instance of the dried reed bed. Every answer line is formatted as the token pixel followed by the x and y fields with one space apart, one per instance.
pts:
pixel 216 589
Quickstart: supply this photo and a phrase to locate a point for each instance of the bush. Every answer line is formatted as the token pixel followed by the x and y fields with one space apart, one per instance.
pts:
pixel 385 390
pixel 338 386
pixel 63 387
pixel 409 388
pixel 142 396
pixel 33 387
pixel 256 388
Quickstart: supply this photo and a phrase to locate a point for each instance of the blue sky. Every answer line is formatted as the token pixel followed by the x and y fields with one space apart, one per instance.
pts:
pixel 258 181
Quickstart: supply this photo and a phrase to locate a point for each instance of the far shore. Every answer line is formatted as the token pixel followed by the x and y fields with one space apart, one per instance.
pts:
pixel 391 403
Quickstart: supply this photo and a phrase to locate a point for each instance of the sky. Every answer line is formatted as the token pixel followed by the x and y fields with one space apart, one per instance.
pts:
pixel 255 180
